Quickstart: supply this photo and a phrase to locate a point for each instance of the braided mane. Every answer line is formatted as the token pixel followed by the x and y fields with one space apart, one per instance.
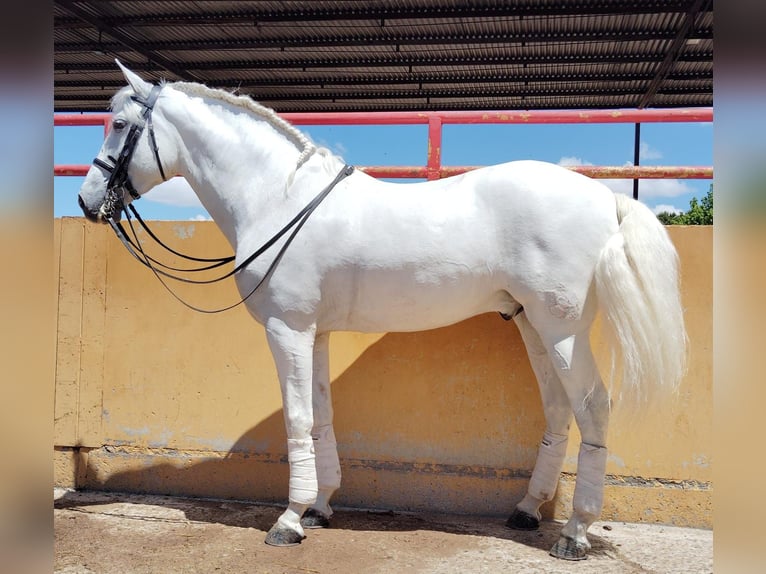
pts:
pixel 301 141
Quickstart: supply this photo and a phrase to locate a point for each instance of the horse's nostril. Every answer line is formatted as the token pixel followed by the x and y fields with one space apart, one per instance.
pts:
pixel 90 215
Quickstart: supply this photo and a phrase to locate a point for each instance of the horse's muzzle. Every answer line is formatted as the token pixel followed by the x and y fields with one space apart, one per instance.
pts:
pixel 90 215
pixel 95 215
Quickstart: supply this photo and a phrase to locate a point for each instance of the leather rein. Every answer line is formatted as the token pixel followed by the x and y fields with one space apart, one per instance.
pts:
pixel 114 205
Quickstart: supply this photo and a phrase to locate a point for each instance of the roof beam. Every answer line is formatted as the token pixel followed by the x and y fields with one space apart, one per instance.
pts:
pixel 399 78
pixel 673 52
pixel 467 93
pixel 464 92
pixel 309 13
pixel 377 106
pixel 394 38
pixel 122 39
pixel 397 59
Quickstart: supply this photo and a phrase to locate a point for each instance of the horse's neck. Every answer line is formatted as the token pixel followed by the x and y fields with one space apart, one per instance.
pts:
pixel 238 164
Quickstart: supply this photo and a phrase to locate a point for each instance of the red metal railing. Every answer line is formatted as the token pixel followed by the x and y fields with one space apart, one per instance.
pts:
pixel 435 120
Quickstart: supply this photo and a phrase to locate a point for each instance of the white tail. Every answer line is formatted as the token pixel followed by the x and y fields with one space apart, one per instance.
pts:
pixel 637 285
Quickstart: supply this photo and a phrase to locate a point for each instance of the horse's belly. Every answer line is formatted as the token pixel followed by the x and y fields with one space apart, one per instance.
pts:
pixel 394 303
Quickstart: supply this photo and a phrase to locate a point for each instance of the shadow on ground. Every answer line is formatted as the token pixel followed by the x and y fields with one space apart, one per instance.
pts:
pixel 261 517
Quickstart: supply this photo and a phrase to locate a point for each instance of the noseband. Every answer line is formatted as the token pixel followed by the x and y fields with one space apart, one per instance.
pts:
pixel 119 181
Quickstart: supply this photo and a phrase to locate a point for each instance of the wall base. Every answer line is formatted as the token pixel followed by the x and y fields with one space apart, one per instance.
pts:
pixel 401 486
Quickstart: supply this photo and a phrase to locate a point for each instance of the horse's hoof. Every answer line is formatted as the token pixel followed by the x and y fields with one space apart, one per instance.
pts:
pixel 569 549
pixel 521 520
pixel 314 519
pixel 281 536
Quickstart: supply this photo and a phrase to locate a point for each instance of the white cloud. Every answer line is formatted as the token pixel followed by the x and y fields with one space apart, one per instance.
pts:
pixel 339 149
pixel 567 161
pixel 645 151
pixel 176 191
pixel 201 217
pixel 660 207
pixel 649 187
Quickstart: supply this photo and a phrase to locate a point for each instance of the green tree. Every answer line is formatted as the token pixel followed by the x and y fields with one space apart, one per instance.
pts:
pixel 667 218
pixel 700 212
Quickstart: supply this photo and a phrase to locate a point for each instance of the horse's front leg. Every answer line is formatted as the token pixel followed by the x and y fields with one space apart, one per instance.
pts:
pixel 292 350
pixel 325 446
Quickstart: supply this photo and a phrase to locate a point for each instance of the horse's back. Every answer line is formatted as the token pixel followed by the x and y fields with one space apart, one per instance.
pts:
pixel 525 189
pixel 520 213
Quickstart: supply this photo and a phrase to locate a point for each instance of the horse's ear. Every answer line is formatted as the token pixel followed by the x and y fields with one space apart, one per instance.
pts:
pixel 141 87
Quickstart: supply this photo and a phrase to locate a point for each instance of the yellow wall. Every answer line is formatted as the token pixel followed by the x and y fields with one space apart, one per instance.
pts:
pixel 151 396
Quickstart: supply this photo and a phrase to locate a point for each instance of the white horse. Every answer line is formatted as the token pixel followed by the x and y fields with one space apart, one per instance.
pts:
pixel 530 240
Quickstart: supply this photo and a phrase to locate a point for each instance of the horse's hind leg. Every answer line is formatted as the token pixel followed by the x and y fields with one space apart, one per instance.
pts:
pixel 573 360
pixel 558 416
pixel 323 435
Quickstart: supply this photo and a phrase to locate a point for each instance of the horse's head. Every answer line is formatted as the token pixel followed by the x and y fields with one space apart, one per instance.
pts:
pixel 128 163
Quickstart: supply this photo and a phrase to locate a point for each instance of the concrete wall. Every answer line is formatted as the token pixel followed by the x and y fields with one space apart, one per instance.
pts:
pixel 153 397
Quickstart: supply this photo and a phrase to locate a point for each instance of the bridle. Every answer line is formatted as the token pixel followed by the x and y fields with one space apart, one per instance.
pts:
pixel 119 181
pixel 114 204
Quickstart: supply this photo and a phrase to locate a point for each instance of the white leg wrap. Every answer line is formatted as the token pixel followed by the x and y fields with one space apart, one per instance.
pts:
pixel 303 476
pixel 550 459
pixel 327 463
pixel 589 487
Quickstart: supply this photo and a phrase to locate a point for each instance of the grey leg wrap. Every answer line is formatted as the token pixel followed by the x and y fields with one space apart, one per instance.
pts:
pixel 589 487
pixel 550 459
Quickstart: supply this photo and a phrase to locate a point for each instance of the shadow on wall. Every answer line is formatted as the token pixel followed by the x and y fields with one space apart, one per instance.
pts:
pixel 436 420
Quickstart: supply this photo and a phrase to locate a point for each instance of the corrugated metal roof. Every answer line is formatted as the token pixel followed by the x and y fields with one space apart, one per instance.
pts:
pixel 395 54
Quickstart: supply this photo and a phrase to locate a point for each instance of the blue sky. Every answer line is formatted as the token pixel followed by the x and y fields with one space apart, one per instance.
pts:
pixel 486 144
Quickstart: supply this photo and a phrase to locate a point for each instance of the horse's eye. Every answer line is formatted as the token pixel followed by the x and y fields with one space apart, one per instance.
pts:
pixel 119 124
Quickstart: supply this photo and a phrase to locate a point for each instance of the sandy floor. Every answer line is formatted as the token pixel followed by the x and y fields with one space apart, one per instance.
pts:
pixel 119 533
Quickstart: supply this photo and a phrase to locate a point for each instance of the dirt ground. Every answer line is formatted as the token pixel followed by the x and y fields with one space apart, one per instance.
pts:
pixel 97 532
